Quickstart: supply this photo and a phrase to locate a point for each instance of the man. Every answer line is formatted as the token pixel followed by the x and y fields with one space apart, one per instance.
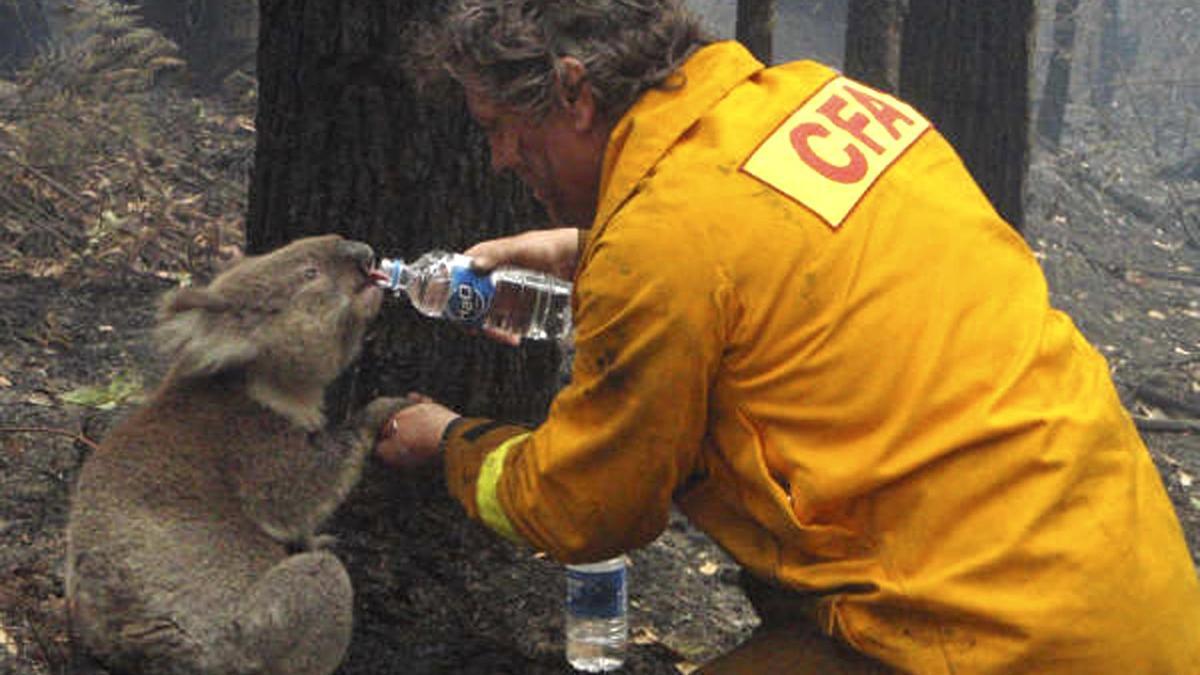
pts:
pixel 799 319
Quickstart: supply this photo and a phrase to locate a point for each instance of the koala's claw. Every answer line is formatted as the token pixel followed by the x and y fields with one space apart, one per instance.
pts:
pixel 379 411
pixel 322 541
pixel 313 542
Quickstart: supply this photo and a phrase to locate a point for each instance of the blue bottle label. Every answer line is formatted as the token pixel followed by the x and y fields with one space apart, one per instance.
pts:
pixel 596 595
pixel 470 296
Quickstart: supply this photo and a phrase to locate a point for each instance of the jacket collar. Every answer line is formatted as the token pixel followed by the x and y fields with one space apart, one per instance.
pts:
pixel 656 121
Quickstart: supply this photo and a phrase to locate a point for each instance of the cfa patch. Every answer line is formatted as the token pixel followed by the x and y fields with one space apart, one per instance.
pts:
pixel 827 154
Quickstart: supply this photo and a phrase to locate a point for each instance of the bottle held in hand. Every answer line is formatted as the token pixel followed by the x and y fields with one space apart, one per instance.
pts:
pixel 516 302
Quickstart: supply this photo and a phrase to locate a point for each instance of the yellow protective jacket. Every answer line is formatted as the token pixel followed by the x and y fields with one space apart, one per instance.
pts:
pixel 799 318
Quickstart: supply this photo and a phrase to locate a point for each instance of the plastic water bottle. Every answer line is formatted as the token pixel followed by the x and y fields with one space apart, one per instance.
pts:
pixel 514 301
pixel 596 623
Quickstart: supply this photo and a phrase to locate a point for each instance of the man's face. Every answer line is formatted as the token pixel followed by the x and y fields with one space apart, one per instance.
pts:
pixel 554 156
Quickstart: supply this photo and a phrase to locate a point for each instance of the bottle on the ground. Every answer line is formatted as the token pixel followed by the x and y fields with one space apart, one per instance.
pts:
pixel 513 301
pixel 597 626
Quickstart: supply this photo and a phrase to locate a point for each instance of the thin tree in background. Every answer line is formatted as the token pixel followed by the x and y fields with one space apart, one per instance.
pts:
pixel 215 37
pixel 965 64
pixel 23 30
pixel 1057 89
pixel 755 24
pixel 1108 64
pixel 873 41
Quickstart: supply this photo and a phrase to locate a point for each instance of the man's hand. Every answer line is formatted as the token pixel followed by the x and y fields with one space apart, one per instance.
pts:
pixel 412 436
pixel 554 251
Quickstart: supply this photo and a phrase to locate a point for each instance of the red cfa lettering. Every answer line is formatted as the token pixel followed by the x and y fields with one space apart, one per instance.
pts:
pixel 850 172
pixel 856 124
pixel 881 111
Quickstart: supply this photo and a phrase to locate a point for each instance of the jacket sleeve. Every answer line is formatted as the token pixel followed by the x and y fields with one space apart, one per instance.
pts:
pixel 467 444
pixel 597 477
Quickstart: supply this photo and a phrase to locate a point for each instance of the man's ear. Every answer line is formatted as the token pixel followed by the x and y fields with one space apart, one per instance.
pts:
pixel 574 92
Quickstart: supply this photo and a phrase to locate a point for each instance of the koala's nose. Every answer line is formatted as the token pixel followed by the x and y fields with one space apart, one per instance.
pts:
pixel 357 251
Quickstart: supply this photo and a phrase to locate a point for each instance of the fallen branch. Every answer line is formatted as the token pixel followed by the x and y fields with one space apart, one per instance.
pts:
pixel 27 210
pixel 1168 403
pixel 1188 278
pixel 59 187
pixel 79 437
pixel 1166 425
pixel 1129 201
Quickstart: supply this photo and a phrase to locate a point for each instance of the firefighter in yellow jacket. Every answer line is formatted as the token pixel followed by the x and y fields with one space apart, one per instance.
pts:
pixel 800 320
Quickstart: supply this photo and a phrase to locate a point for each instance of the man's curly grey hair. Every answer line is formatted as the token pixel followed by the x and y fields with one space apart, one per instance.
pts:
pixel 510 49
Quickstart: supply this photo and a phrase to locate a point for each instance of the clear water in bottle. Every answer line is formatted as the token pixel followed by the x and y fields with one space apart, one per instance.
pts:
pixel 518 302
pixel 529 304
pixel 597 626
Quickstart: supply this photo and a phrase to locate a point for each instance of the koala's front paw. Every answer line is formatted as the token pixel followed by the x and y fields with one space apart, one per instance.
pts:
pixel 314 542
pixel 378 412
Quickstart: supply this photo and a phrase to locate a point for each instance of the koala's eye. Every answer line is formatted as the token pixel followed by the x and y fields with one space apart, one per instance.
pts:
pixel 311 273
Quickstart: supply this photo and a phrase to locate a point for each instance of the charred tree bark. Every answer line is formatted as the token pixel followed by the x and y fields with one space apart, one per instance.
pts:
pixel 345 145
pixel 1057 90
pixel 873 38
pixel 755 24
pixel 966 65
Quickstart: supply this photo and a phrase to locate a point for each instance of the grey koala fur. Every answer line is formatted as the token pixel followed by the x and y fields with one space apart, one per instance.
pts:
pixel 183 523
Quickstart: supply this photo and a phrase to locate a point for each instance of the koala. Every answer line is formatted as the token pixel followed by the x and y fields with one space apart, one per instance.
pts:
pixel 191 543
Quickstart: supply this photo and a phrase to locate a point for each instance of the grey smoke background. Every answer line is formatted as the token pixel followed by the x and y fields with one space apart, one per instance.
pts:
pixel 813 29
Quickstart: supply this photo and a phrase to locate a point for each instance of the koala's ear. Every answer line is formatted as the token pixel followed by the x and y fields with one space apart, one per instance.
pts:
pixel 196 332
pixel 186 299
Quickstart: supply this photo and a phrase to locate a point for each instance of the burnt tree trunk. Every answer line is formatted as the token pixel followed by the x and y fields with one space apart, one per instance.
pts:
pixel 345 145
pixel 755 23
pixel 965 64
pixel 873 37
pixel 1057 90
